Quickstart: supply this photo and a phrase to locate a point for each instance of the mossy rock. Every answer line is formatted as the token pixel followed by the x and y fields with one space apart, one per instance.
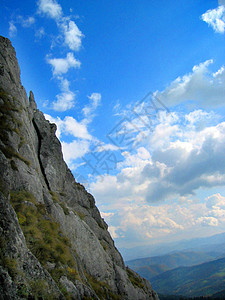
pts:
pixel 44 237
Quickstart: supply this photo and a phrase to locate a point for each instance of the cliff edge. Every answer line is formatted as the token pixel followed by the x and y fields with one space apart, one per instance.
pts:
pixel 53 242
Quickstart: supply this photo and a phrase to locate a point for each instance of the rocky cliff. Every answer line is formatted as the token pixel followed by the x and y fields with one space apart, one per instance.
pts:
pixel 53 242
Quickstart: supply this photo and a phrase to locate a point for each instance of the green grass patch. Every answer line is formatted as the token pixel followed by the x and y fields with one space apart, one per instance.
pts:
pixel 136 281
pixel 7 262
pixel 102 289
pixel 40 290
pixel 44 237
pixel 80 214
pixel 55 198
pixel 42 233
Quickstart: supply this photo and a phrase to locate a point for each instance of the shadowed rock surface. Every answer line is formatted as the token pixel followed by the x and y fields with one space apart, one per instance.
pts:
pixel 53 242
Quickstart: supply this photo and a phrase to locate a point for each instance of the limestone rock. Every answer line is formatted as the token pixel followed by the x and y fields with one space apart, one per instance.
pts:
pixel 54 243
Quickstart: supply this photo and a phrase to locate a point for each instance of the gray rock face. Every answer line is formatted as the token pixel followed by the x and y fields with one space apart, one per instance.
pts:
pixel 54 243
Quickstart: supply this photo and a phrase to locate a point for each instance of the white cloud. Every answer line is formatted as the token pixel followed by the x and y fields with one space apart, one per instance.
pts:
pixel 88 110
pixel 81 138
pixel 176 161
pixel 216 200
pixel 95 101
pixel 51 8
pixel 200 118
pixel 106 215
pixel 77 129
pixel 69 35
pixel 112 230
pixel 220 73
pixel 106 147
pixel 140 222
pixel 158 167
pixel 74 150
pixel 201 86
pixel 207 221
pixel 26 22
pixel 62 65
pixel 20 20
pixel 64 101
pixel 215 18
pixel 72 34
pixel 200 154
pixel 70 126
pixel 12 29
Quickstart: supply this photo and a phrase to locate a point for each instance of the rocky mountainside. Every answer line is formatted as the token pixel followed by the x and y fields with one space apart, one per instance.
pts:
pixel 53 242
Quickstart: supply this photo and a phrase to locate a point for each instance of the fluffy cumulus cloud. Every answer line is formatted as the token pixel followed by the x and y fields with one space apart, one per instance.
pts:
pixel 170 150
pixel 75 128
pixel 201 86
pixel 208 221
pixel 74 150
pixel 62 65
pixel 143 223
pixel 66 99
pixel 82 140
pixel 89 110
pixel 181 155
pixel 72 33
pixel 51 8
pixel 200 154
pixel 70 126
pixel 70 36
pixel 216 18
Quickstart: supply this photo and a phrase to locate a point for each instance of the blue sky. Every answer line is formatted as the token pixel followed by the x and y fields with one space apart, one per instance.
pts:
pixel 155 165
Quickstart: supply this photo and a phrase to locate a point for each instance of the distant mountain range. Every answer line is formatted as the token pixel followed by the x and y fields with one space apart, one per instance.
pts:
pixel 215 243
pixel 153 266
pixel 195 271
pixel 201 280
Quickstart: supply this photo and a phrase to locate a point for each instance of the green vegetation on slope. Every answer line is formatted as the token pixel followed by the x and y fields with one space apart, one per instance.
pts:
pixel 46 241
pixel 44 237
pixel 201 280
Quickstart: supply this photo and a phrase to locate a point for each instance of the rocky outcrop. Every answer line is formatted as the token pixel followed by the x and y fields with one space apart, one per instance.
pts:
pixel 53 242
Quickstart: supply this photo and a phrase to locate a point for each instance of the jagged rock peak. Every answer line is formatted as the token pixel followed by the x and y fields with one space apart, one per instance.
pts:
pixel 32 102
pixel 53 242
